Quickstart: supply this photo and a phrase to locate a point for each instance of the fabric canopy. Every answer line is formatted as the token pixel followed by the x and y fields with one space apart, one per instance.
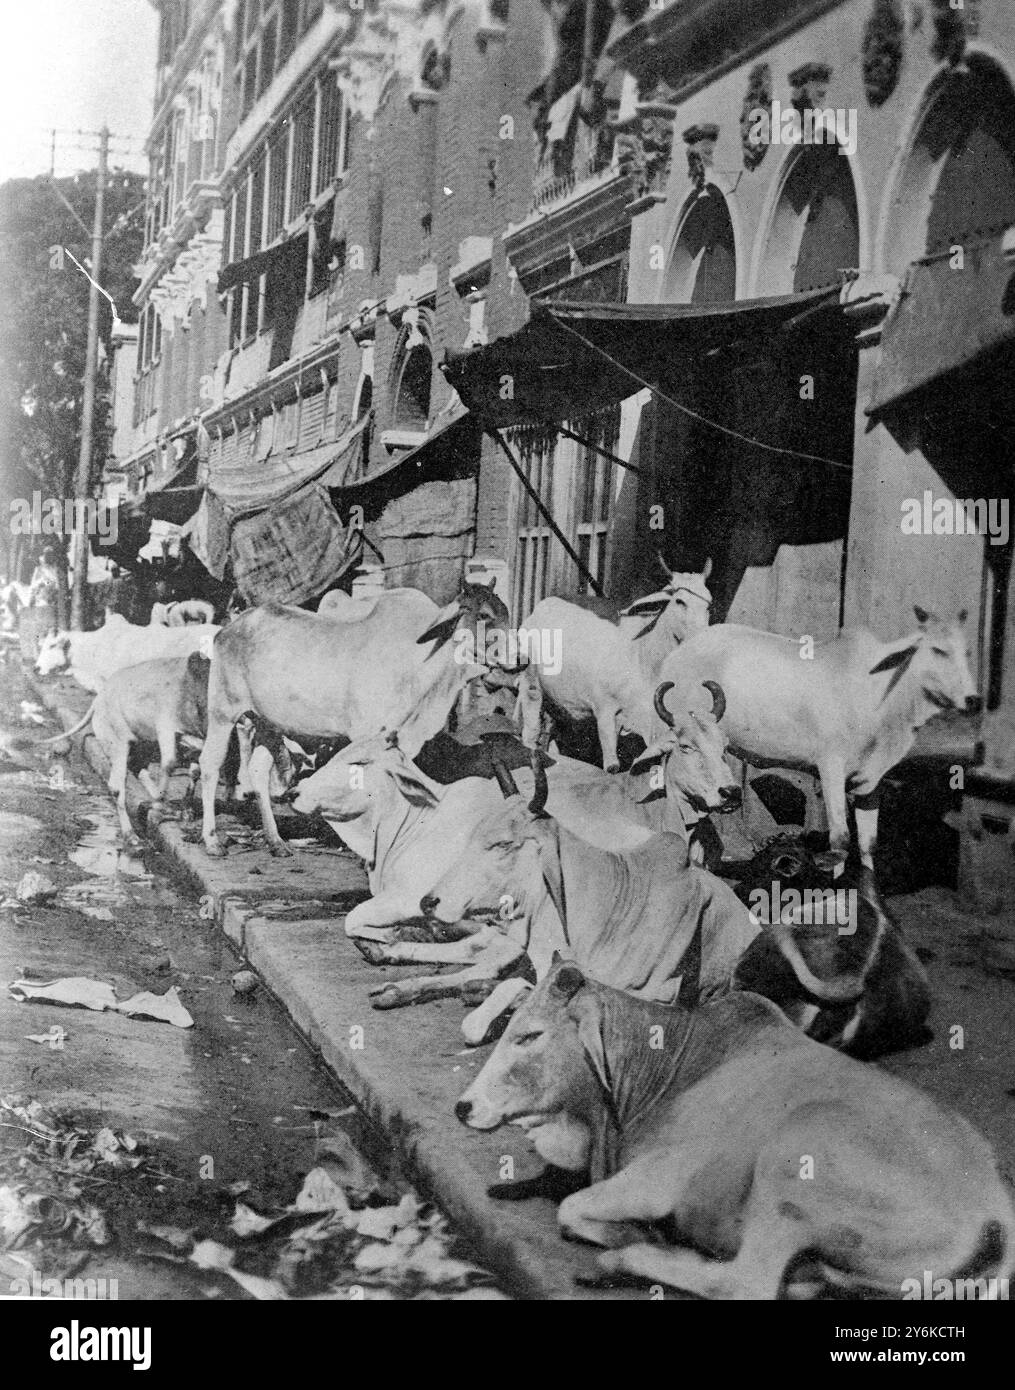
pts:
pixel 571 360
pixel 175 504
pixel 455 436
pixel 294 551
pixel 244 485
pixel 945 320
pixel 240 272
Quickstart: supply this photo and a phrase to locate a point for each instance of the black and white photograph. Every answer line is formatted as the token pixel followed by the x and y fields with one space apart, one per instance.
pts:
pixel 507 663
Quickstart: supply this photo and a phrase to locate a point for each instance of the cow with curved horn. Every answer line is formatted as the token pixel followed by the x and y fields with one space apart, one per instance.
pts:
pixel 609 666
pixel 642 919
pixel 850 713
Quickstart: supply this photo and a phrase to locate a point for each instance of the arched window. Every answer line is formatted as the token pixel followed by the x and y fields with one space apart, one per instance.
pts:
pixel 958 181
pixel 815 230
pixel 703 267
pixel 412 392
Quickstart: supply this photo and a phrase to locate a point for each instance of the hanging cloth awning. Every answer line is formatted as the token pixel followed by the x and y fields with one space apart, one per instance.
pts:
pixel 247 485
pixel 560 116
pixel 946 320
pixel 294 551
pixel 572 360
pixel 175 504
pixel 453 441
pixel 241 272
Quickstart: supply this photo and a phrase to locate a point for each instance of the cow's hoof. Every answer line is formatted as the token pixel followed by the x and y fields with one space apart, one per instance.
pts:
pixel 370 950
pixel 214 849
pixel 613 767
pixel 385 935
pixel 386 998
pixel 476 992
pixel 278 849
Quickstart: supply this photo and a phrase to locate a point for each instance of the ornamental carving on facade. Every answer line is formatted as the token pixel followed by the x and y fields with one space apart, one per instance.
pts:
pixel 186 284
pixel 700 141
pixel 950 28
pixel 809 85
pixel 758 97
pixel 645 143
pixel 393 42
pixel 883 40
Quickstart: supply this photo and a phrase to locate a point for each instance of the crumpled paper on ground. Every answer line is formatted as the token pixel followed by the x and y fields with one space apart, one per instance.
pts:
pixel 35 888
pixel 54 1039
pixel 82 992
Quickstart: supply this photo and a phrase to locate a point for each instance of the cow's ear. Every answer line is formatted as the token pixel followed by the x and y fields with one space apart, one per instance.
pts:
pixel 645 607
pixel 441 631
pixel 659 749
pixel 707 570
pixel 415 791
pixel 568 980
pixel 585 1009
pixel 922 616
pixel 893 659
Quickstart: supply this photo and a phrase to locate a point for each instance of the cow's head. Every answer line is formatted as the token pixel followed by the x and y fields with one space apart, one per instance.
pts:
pixel 480 621
pixel 350 784
pixel 543 1075
pixel 937 658
pixel 501 868
pixel 681 608
pixel 54 653
pixel 499 873
pixel 691 752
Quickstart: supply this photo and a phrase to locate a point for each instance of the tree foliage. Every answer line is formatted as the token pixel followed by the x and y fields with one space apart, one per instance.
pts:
pixel 45 323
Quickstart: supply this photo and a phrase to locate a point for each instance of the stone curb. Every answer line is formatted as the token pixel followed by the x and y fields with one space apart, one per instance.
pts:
pixel 405 1073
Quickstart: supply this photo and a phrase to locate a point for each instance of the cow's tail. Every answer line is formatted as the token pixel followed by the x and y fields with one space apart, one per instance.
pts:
pixel 68 733
pixel 842 990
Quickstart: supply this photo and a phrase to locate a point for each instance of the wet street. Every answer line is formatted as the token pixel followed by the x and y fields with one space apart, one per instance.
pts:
pixel 171 1159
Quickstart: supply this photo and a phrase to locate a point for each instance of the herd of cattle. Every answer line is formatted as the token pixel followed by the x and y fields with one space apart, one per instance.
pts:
pixel 680 1063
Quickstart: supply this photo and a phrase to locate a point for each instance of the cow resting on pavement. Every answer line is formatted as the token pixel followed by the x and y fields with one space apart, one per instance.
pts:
pixel 703 1118
pixel 315 675
pixel 850 713
pixel 646 920
pixel 608 670
pixel 410 828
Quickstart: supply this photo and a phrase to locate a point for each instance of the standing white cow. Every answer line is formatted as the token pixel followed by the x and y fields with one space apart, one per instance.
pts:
pixel 92 657
pixel 609 670
pixel 851 712
pixel 315 675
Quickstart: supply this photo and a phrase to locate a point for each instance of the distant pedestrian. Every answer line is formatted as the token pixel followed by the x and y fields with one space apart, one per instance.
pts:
pixel 40 615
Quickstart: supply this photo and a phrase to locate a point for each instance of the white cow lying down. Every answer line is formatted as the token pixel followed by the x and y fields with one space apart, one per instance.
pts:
pixel 710 1132
pixel 92 657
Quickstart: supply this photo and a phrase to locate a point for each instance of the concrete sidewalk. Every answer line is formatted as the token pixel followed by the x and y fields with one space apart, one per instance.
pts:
pixel 405 1067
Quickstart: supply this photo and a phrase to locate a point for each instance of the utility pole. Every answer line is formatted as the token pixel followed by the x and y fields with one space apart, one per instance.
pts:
pixel 83 485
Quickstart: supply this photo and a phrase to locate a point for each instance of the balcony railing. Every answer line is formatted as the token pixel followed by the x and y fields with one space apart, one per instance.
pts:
pixel 562 170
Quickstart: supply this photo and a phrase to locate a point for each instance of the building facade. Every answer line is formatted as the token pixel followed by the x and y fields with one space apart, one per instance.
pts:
pixel 342 192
